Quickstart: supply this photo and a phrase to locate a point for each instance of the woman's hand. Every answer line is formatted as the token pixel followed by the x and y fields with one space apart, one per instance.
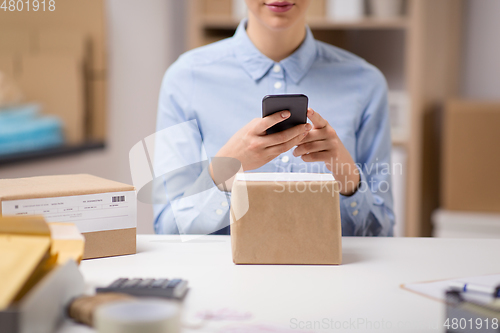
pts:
pixel 323 145
pixel 253 148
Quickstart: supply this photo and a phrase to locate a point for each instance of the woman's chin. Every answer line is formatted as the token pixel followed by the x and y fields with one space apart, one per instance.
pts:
pixel 279 22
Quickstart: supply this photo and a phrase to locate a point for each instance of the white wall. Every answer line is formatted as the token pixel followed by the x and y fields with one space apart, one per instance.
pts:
pixel 481 55
pixel 142 44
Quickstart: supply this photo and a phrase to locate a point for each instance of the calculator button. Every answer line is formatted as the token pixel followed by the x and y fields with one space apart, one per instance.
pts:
pixel 145 283
pixel 174 283
pixel 165 284
pixel 117 283
pixel 131 283
pixel 158 283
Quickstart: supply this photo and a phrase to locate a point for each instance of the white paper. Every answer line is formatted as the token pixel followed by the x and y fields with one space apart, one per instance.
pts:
pixel 90 213
pixel 284 177
pixel 437 289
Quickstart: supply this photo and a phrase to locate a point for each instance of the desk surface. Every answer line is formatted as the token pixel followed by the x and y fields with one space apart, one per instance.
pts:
pixel 363 291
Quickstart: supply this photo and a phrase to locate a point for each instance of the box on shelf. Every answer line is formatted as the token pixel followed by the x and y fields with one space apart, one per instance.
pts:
pixel 317 9
pixel 63 42
pixel 15 41
pixel 57 82
pixel 470 159
pixel 218 7
pixel 286 218
pixel 74 27
pixel 97 108
pixel 7 65
pixel 104 211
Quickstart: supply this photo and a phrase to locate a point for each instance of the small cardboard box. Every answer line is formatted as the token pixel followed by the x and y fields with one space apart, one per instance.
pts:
pixel 286 218
pixel 104 211
pixel 470 157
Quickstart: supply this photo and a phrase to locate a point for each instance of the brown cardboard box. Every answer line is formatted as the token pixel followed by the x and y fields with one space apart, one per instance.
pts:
pixel 15 41
pixel 97 108
pixel 84 17
pixel 317 9
pixel 63 42
pixel 104 211
pixel 57 82
pixel 7 65
pixel 294 219
pixel 218 7
pixel 470 181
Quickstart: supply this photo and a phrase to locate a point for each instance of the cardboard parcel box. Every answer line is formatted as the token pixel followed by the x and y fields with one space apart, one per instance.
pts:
pixel 471 156
pixel 286 218
pixel 104 211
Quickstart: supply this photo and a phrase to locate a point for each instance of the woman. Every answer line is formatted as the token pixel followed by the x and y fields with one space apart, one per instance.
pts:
pixel 213 94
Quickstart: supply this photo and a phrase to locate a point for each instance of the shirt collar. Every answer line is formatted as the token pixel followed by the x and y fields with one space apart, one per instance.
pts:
pixel 257 65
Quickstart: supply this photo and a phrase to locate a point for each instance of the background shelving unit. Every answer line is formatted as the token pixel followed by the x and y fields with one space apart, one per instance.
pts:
pixel 418 53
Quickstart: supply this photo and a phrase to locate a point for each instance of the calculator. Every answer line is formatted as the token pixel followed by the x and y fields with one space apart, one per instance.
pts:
pixel 165 288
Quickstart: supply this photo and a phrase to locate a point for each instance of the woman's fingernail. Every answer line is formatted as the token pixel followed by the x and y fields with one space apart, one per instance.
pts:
pixel 311 111
pixel 285 114
pixel 308 127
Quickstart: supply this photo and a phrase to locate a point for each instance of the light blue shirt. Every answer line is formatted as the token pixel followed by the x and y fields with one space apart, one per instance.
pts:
pixel 211 92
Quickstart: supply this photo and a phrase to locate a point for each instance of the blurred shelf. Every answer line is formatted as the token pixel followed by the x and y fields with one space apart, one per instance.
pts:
pixel 49 153
pixel 227 22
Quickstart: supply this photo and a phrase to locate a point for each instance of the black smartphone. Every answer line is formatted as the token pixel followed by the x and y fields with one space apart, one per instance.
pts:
pixel 295 103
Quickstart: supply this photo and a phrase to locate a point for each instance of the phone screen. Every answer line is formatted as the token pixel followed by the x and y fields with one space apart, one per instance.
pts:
pixel 295 103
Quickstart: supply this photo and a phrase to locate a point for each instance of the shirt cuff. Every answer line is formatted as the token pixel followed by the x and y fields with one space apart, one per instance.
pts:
pixel 358 207
pixel 204 212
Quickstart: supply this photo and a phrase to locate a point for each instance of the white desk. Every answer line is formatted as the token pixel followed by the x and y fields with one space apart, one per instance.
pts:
pixel 364 287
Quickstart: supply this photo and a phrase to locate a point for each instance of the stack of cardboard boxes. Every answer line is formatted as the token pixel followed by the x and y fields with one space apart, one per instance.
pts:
pixel 58 59
pixel 104 211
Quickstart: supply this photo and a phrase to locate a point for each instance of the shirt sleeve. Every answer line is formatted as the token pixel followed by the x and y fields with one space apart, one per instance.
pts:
pixel 369 211
pixel 186 200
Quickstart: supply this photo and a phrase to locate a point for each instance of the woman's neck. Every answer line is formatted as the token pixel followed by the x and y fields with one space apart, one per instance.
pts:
pixel 276 45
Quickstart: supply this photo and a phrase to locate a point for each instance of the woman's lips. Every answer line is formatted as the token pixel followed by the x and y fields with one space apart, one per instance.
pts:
pixel 280 7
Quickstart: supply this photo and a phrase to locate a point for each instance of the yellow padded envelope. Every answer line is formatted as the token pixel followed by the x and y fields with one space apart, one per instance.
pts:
pixel 30 248
pixel 21 255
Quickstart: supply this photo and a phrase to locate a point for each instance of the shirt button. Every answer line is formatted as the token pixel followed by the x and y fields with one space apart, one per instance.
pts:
pixel 223 203
pixel 277 85
pixel 276 68
pixel 219 212
pixel 355 212
pixel 353 204
pixel 285 159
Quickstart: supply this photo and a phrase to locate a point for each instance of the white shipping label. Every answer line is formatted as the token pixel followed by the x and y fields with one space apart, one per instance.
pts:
pixel 90 213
